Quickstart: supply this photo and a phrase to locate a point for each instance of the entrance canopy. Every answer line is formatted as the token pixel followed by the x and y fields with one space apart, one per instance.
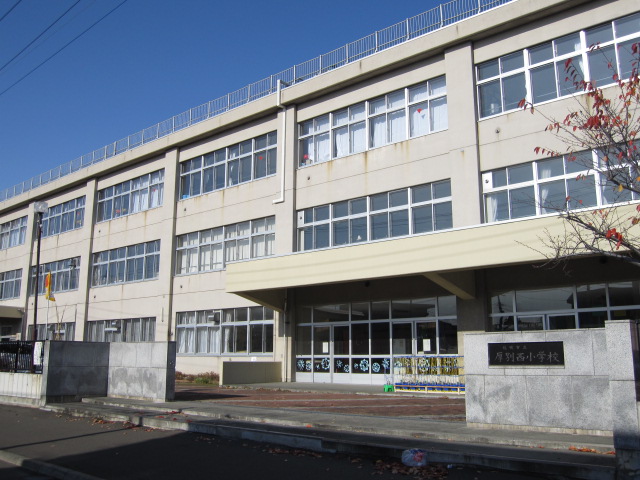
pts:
pixel 445 258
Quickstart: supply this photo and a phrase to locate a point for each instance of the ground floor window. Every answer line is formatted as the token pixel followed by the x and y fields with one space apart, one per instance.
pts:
pixel 53 331
pixel 122 330
pixel 241 331
pixel 572 306
pixel 363 338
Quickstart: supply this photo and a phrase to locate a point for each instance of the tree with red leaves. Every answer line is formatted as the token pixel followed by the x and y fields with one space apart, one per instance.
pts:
pixel 607 121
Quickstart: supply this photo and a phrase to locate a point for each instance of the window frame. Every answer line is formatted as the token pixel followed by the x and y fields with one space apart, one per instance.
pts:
pixel 241 160
pixel 120 200
pixel 573 170
pixel 234 326
pixel 10 281
pixel 328 126
pixel 555 57
pixel 315 224
pixel 64 217
pixel 130 264
pixel 234 242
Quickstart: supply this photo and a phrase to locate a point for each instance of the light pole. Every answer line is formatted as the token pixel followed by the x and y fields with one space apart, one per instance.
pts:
pixel 40 208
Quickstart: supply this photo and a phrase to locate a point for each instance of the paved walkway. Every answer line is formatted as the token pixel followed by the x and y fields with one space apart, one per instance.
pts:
pixel 358 420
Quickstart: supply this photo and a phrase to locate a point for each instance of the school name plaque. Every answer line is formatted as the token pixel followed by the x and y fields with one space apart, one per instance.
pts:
pixel 526 354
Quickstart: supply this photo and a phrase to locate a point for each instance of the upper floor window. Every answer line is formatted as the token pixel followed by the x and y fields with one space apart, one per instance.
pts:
pixel 547 186
pixel 391 118
pixel 212 248
pixel 13 233
pixel 63 217
pixel 239 163
pixel 132 196
pixel 64 276
pixel 539 74
pixel 126 264
pixel 408 211
pixel 10 283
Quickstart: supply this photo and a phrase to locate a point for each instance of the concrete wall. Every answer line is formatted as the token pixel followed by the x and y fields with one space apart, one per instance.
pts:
pixel 20 388
pixel 250 372
pixel 580 396
pixel 73 370
pixel 142 370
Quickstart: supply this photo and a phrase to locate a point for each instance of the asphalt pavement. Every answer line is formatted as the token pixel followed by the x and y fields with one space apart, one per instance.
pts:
pixel 323 419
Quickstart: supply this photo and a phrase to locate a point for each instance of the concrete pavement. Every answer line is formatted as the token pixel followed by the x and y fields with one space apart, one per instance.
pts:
pixel 358 420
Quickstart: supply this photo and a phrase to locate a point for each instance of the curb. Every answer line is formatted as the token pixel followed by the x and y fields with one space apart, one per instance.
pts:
pixel 44 468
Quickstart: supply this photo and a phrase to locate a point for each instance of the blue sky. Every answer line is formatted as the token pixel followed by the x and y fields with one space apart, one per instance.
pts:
pixel 150 60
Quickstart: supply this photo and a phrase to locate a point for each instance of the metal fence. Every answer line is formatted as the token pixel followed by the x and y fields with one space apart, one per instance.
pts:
pixel 21 357
pixel 434 19
pixel 438 373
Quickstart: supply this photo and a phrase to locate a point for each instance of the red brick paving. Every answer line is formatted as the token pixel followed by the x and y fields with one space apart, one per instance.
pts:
pixel 436 407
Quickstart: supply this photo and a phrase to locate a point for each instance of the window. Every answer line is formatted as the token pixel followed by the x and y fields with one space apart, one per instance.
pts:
pixel 409 211
pixel 572 306
pixel 539 73
pixel 246 330
pixel 13 233
pixel 64 276
pixel 132 196
pixel 122 330
pixel 10 283
pixel 245 161
pixel 63 217
pixel 64 331
pixel 211 249
pixel 394 117
pixel 126 264
pixel 367 334
pixel 547 186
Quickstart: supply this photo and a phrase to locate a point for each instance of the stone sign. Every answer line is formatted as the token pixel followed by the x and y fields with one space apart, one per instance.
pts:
pixel 526 354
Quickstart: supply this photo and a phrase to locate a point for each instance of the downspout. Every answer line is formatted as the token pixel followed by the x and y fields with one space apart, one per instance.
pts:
pixel 284 140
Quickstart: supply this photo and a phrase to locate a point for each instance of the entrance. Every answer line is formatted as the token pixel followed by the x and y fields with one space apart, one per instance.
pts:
pixel 359 343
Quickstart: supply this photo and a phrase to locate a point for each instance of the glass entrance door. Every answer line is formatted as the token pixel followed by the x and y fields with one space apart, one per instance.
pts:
pixel 322 354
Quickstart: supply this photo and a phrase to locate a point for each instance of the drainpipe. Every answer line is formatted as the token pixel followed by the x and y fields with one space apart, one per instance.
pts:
pixel 284 139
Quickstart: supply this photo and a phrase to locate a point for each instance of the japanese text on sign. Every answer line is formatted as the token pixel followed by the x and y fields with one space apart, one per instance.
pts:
pixel 526 354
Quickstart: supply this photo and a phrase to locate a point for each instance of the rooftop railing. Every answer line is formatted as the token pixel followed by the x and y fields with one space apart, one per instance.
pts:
pixel 429 21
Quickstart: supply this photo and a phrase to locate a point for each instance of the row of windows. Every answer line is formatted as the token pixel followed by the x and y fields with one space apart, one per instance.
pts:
pixel 211 249
pixel 13 233
pixel 408 211
pixel 131 196
pixel 394 117
pixel 64 331
pixel 122 330
pixel 126 264
pixel 239 163
pixel 63 217
pixel 64 276
pixel 10 283
pixel 379 310
pixel 547 186
pixel 233 330
pixel 539 73
pixel 580 306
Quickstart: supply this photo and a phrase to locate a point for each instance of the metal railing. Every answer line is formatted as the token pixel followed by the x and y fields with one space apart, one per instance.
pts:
pixel 429 21
pixel 437 373
pixel 21 357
